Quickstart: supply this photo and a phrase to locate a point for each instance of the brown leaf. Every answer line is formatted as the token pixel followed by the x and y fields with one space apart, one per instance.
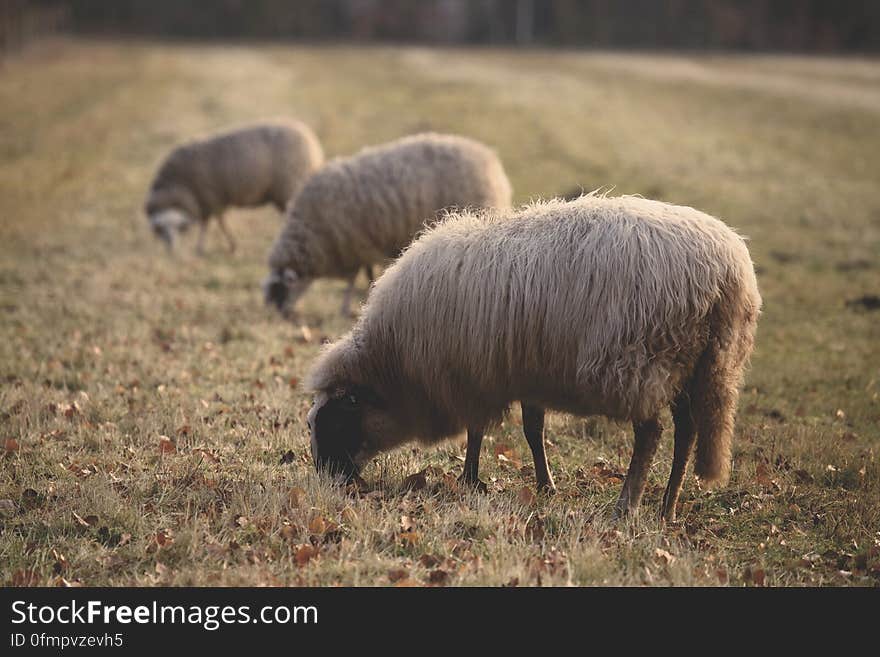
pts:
pixel 289 532
pixel 348 515
pixel 754 576
pixel 438 577
pixel 163 538
pixel 293 382
pixel 405 583
pixel 296 497
pixel 397 574
pixel 535 528
pixel 166 445
pixel 526 496
pixel 416 481
pixel 305 553
pixel 10 445
pixel 409 538
pixel 318 525
pixel 429 560
pixel 71 410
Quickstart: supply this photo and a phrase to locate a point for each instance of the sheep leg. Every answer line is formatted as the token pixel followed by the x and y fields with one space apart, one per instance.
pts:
pixel 221 220
pixel 533 428
pixel 685 437
pixel 200 241
pixel 346 298
pixel 471 474
pixel 647 436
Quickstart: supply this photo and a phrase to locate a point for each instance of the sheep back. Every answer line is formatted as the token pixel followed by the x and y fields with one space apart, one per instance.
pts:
pixel 366 208
pixel 595 306
pixel 244 167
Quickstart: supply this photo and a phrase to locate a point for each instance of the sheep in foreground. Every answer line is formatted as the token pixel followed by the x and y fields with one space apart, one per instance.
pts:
pixel 364 209
pixel 246 167
pixel 611 306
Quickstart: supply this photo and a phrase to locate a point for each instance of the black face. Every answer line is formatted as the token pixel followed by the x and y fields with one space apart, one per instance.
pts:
pixel 164 233
pixel 337 436
pixel 277 292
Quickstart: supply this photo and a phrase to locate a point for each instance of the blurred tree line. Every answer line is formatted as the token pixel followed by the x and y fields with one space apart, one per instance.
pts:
pixel 791 25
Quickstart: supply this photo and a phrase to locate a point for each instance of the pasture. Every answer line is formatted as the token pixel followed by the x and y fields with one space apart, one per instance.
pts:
pixel 153 430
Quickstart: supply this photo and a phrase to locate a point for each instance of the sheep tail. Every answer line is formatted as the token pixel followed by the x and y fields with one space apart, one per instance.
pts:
pixel 716 383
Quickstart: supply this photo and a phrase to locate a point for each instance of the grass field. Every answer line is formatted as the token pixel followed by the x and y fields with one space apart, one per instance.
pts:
pixel 153 431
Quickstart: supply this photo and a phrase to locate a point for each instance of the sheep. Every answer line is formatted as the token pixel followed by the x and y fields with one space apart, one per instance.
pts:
pixel 600 306
pixel 363 210
pixel 244 167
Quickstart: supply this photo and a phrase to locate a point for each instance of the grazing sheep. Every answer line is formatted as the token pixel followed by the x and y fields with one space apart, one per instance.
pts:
pixel 246 167
pixel 612 306
pixel 365 209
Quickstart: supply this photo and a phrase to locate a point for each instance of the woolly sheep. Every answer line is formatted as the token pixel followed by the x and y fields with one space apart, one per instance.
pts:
pixel 611 306
pixel 245 167
pixel 365 209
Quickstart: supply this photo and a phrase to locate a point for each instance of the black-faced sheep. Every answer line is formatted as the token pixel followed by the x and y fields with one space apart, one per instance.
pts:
pixel 245 167
pixel 363 210
pixel 609 306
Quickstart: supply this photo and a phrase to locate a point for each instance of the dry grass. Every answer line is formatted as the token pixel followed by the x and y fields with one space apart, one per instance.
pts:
pixel 107 344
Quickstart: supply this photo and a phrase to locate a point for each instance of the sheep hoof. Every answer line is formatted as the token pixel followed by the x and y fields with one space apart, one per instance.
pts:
pixel 477 484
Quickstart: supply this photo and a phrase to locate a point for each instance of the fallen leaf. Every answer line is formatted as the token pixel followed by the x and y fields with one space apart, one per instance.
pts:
pixel 438 577
pixel 526 496
pixel 289 532
pixel 535 528
pixel 397 574
pixel 296 497
pixel 162 538
pixel 407 524
pixel 409 538
pixel 10 445
pixel 318 525
pixel 348 515
pixel 166 445
pixel 429 560
pixel 305 553
pixel 416 481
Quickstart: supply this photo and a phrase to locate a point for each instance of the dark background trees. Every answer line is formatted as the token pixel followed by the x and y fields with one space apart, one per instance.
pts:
pixel 765 25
